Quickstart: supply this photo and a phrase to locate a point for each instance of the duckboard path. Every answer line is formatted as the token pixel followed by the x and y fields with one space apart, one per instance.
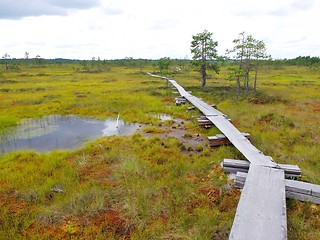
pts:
pixel 261 212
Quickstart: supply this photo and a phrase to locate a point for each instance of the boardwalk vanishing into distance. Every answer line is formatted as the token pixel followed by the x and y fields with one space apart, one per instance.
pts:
pixel 261 212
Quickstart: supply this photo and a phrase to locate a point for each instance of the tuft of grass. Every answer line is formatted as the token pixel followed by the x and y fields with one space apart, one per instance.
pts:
pixel 7 122
pixel 199 147
pixel 188 135
pixel 153 129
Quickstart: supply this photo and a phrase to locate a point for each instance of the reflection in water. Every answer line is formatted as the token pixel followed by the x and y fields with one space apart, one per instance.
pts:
pixel 60 132
pixel 163 117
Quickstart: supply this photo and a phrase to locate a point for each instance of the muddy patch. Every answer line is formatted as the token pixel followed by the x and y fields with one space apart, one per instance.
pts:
pixel 192 141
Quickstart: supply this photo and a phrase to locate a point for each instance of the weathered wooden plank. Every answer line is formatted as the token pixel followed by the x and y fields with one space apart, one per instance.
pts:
pixel 180 100
pixel 204 122
pixel 234 165
pixel 245 164
pixel 261 212
pixel 303 188
pixel 303 197
pixel 221 139
pixel 302 191
pixel 291 169
pixel 240 179
pixel 178 103
pixel 222 136
pixel 235 170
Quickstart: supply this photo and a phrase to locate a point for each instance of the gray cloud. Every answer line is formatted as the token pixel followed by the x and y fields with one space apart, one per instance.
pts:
pixel 303 5
pixel 74 4
pixel 163 24
pixel 24 8
pixel 279 11
pixel 296 41
pixel 114 11
pixel 295 6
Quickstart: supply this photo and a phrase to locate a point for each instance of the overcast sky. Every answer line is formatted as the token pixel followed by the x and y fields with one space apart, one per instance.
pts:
pixel 110 29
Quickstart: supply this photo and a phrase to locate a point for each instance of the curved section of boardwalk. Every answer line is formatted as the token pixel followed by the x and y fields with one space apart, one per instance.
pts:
pixel 261 212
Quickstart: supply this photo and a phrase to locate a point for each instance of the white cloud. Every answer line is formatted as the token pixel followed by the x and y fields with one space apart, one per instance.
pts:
pixel 153 29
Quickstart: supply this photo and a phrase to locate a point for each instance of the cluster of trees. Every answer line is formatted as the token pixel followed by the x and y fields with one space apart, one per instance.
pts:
pixel 95 65
pixel 246 53
pixel 9 65
pixel 15 64
pixel 245 59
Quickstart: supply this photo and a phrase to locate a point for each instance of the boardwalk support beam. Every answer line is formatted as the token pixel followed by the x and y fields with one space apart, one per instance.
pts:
pixel 221 139
pixel 302 191
pixel 234 166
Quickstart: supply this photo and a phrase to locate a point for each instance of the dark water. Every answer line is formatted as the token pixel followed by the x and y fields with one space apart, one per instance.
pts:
pixel 61 132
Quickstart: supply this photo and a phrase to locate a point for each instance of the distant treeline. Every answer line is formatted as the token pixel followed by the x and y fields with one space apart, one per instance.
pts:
pixel 303 61
pixel 298 61
pixel 97 64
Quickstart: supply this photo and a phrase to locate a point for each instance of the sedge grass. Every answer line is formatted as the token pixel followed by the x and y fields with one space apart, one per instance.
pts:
pixel 149 188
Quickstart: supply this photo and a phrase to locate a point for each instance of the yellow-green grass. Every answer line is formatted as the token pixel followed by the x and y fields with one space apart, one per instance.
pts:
pixel 149 188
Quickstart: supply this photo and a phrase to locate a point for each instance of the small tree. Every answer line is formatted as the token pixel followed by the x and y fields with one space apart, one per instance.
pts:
pixel 141 63
pixel 239 49
pixel 84 66
pixel 6 58
pixel 164 64
pixel 259 53
pixel 92 64
pixel 248 53
pixel 26 57
pixel 129 62
pixel 106 65
pixel 38 61
pixel 204 53
pixel 99 65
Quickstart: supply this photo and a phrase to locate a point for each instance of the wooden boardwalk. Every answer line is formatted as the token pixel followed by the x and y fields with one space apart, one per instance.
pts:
pixel 261 213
